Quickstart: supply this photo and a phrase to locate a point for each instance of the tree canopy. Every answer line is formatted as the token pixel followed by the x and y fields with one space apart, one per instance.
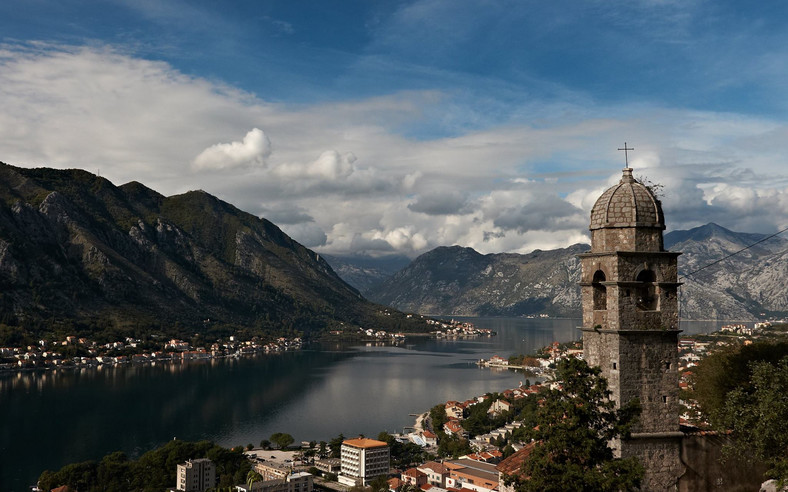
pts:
pixel 281 439
pixel 757 415
pixel 729 369
pixel 153 471
pixel 572 435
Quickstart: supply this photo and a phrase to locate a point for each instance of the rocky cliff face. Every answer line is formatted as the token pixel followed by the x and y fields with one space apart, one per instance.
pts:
pixel 744 286
pixel 75 247
pixel 460 281
pixel 366 273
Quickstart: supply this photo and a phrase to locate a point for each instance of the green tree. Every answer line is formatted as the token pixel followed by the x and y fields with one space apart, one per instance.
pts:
pixel 438 417
pixel 379 484
pixel 575 425
pixel 335 445
pixel 282 440
pixel 729 369
pixel 403 455
pixel 453 446
pixel 253 477
pixel 757 415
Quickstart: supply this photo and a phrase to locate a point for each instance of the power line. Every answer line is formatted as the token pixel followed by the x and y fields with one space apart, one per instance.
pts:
pixel 732 254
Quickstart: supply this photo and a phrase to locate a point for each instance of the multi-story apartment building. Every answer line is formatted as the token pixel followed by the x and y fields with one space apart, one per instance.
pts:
pixel 293 482
pixel 362 460
pixel 196 475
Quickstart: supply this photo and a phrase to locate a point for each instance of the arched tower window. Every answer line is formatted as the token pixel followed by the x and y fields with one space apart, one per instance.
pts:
pixel 600 291
pixel 646 292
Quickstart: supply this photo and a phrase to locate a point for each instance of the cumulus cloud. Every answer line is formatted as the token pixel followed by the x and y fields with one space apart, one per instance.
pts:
pixel 288 214
pixel 330 166
pixel 309 234
pixel 252 151
pixel 529 208
pixel 511 186
pixel 446 202
pixel 366 245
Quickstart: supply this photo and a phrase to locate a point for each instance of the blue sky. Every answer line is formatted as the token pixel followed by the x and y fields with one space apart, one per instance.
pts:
pixel 371 127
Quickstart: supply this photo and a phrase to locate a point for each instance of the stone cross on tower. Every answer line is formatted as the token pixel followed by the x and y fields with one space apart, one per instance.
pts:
pixel 626 155
pixel 630 322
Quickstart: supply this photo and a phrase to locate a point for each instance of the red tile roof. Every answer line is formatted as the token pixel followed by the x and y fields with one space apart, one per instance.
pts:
pixel 435 467
pixel 513 464
pixel 363 442
pixel 414 472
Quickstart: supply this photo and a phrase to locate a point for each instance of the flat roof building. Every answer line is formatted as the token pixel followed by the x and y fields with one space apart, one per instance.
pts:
pixel 362 460
pixel 196 475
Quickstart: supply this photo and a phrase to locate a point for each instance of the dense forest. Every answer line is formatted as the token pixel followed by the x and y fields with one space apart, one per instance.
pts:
pixel 154 471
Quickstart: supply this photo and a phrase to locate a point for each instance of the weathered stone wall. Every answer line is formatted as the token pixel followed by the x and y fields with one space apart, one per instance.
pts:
pixel 660 456
pixel 624 294
pixel 626 239
pixel 633 338
pixel 648 371
pixel 642 365
pixel 705 470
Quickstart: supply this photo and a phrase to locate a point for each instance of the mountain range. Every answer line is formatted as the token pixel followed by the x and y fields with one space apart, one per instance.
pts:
pixel 454 280
pixel 78 252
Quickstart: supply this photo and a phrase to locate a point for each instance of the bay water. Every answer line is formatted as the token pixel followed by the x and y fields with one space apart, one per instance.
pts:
pixel 51 418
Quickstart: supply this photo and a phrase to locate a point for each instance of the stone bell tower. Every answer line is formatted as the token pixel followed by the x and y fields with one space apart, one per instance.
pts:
pixel 630 322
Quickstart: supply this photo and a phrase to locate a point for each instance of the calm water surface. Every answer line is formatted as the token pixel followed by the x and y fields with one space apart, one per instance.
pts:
pixel 48 419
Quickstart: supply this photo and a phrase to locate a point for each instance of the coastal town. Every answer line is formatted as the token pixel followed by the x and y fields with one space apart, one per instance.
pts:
pixel 419 459
pixel 81 352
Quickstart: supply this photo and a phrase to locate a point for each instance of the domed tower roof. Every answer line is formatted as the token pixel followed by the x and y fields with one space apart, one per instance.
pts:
pixel 630 203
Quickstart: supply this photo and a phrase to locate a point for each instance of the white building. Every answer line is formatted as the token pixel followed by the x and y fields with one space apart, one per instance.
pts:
pixel 362 460
pixel 294 482
pixel 196 475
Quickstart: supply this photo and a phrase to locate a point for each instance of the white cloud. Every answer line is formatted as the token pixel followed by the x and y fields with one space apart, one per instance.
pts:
pixel 331 166
pixel 252 151
pixel 309 234
pixel 527 184
pixel 440 202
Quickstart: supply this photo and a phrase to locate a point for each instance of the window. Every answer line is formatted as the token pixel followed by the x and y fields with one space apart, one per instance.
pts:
pixel 600 291
pixel 646 293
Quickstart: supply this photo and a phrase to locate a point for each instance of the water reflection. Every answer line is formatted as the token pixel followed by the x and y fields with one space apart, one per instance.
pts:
pixel 55 417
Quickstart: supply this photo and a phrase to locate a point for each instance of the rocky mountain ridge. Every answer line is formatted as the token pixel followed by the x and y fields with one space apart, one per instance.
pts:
pixel 460 281
pixel 76 250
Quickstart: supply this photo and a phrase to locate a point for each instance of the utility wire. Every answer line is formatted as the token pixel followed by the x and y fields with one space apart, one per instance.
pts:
pixel 732 254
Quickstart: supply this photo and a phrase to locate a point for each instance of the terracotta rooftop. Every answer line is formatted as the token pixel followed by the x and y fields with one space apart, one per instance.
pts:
pixel 414 472
pixel 435 467
pixel 363 442
pixel 513 464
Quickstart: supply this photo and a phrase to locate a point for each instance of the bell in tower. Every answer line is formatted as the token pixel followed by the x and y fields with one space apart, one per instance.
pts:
pixel 630 322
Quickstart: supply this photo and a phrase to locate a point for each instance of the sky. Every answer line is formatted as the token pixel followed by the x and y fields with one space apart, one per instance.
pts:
pixel 376 128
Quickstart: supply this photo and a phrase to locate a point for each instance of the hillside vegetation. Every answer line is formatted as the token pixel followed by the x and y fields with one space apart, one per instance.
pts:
pixel 80 255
